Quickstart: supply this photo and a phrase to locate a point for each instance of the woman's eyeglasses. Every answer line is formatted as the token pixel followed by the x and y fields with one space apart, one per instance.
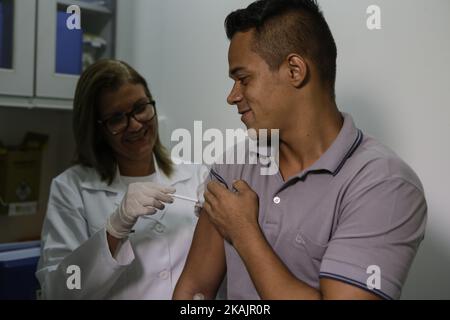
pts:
pixel 119 122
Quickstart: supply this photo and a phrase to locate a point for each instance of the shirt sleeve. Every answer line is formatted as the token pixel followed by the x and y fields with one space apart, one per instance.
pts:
pixel 377 236
pixel 208 174
pixel 66 242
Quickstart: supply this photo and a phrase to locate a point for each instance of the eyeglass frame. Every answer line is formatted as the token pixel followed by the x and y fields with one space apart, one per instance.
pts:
pixel 128 115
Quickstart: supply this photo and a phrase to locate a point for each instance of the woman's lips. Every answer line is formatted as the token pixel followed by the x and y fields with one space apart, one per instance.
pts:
pixel 137 138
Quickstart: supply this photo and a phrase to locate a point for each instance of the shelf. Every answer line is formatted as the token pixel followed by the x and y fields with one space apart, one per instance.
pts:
pixel 31 103
pixel 93 7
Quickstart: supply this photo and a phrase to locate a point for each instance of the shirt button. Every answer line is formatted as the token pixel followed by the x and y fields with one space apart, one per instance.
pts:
pixel 164 274
pixel 276 200
pixel 159 228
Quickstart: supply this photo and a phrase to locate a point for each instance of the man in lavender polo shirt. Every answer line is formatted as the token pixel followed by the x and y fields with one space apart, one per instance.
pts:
pixel 342 218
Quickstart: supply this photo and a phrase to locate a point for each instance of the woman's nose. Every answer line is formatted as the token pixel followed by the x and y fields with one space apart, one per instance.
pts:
pixel 134 125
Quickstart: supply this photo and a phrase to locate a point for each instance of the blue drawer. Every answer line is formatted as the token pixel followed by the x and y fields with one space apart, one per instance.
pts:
pixel 17 274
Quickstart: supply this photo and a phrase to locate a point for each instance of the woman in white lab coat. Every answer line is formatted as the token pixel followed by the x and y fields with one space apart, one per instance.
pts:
pixel 112 228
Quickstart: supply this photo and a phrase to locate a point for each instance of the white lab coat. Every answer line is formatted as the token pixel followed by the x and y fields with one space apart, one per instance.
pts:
pixel 146 266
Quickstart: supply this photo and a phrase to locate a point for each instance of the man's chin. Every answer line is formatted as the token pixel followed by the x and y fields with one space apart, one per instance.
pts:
pixel 252 132
pixel 260 133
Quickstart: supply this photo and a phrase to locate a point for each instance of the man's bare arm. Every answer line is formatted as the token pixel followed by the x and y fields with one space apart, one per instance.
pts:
pixel 205 265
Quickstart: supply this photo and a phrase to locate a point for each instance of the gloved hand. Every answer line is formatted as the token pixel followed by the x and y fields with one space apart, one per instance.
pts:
pixel 201 199
pixel 201 190
pixel 140 199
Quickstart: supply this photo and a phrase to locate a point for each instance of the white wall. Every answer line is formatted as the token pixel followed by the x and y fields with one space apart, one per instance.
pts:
pixel 395 83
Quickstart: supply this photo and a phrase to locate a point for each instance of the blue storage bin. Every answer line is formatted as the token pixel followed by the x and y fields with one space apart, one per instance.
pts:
pixel 69 47
pixel 6 34
pixel 17 274
pixel 10 246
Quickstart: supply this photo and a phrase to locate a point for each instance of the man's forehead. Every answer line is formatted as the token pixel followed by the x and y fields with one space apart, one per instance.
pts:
pixel 241 41
pixel 240 54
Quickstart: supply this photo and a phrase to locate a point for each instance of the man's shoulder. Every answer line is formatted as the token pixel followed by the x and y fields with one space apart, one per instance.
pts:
pixel 375 162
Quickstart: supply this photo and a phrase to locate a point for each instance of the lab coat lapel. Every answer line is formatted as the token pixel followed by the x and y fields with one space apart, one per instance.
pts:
pixel 94 182
pixel 180 173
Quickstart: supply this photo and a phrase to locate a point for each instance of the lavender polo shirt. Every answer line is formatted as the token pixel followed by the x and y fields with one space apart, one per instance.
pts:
pixel 357 209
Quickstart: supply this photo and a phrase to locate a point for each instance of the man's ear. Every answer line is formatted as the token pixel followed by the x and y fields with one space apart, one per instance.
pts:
pixel 298 71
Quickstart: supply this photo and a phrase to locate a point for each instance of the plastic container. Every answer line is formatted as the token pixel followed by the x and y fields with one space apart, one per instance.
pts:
pixel 17 274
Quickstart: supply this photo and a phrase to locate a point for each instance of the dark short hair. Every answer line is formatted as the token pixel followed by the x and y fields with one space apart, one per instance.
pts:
pixel 283 27
pixel 92 149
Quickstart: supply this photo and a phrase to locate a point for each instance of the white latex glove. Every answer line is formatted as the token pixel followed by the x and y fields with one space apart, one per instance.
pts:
pixel 141 198
pixel 201 190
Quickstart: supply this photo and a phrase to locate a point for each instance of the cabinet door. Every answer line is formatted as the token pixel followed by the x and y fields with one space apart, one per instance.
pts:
pixel 63 51
pixel 17 22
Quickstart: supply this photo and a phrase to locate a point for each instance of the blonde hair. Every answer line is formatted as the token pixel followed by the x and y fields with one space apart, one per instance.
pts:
pixel 92 150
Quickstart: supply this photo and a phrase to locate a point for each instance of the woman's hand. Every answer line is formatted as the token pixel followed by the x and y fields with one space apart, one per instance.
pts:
pixel 140 199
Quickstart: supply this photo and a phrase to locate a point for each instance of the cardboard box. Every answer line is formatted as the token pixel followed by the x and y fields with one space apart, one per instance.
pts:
pixel 20 172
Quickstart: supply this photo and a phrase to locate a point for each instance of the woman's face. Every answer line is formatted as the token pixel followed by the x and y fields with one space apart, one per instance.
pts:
pixel 137 141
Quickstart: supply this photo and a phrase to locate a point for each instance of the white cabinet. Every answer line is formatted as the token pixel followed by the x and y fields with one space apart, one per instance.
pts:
pixel 44 72
pixel 95 40
pixel 17 24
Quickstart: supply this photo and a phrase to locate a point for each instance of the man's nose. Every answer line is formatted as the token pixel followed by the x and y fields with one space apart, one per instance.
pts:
pixel 235 95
